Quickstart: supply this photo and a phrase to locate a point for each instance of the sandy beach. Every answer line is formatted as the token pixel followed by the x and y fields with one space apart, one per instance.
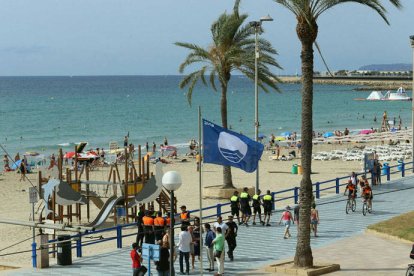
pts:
pixel 274 175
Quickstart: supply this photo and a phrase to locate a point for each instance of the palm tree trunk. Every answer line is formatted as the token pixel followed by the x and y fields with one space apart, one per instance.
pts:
pixel 227 178
pixel 303 257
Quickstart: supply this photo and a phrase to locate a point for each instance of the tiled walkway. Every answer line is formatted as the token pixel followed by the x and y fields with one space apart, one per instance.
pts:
pixel 259 246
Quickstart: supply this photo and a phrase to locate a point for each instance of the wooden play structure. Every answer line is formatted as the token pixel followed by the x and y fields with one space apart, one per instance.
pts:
pixel 120 192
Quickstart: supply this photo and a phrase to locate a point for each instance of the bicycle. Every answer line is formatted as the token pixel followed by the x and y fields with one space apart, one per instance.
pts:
pixel 410 270
pixel 350 204
pixel 365 208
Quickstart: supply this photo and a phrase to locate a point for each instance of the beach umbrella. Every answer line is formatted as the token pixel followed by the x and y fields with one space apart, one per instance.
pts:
pixel 69 154
pixel 286 133
pixel 365 131
pixel 328 134
pixel 16 164
pixel 280 138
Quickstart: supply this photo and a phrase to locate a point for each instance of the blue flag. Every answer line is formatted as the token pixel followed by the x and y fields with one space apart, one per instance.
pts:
pixel 228 148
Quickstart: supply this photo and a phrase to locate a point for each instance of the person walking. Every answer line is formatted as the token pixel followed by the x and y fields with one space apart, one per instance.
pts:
pixel 257 209
pixel 245 206
pixel 136 261
pixel 218 243
pixel 184 243
pixel 163 265
pixel 23 170
pixel 231 235
pixel 196 240
pixel 235 205
pixel 208 243
pixel 287 219
pixel 140 225
pixel 314 220
pixel 267 207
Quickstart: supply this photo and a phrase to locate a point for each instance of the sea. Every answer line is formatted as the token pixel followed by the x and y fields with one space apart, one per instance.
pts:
pixel 44 114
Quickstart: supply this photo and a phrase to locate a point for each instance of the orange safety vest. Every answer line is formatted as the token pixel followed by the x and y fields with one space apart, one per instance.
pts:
pixel 184 215
pixel 168 221
pixel 148 221
pixel 159 221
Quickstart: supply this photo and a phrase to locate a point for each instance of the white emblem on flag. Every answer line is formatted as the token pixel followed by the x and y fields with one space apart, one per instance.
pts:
pixel 231 147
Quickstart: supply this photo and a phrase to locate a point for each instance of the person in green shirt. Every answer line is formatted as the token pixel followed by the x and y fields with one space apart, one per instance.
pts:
pixel 218 243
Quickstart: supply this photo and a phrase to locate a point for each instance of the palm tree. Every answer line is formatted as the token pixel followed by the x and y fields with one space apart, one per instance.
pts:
pixel 232 49
pixel 307 13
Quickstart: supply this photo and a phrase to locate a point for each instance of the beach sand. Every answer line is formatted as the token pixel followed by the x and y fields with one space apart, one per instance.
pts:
pixel 274 175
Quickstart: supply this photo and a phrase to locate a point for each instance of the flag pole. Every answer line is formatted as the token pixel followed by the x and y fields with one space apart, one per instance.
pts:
pixel 200 190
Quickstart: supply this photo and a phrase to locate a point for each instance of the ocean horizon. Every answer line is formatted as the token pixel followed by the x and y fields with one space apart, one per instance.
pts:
pixel 44 113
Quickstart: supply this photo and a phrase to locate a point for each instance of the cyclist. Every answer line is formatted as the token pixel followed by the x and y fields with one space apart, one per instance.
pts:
pixel 367 195
pixel 351 188
pixel 363 181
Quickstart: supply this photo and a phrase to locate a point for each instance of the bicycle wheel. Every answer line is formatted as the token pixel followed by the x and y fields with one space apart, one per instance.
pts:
pixel 364 208
pixel 353 205
pixel 410 270
pixel 348 207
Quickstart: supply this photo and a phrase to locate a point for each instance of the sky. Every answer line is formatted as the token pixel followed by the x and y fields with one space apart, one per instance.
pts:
pixel 136 37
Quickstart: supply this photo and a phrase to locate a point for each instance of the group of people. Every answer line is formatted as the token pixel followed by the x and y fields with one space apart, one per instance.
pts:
pixel 366 190
pixel 241 204
pixel 22 168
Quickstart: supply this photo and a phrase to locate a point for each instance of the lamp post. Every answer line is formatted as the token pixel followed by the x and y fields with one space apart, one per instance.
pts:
pixel 412 108
pixel 257 25
pixel 171 181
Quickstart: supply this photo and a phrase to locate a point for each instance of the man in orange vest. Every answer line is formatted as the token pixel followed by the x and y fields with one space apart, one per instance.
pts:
pixel 159 227
pixel 148 222
pixel 185 216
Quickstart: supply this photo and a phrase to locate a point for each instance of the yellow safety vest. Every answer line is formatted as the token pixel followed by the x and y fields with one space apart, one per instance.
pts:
pixel 234 198
pixel 255 197
pixel 267 197
pixel 244 195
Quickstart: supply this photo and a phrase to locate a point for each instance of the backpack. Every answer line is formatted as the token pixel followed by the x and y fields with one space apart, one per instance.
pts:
pixel 412 253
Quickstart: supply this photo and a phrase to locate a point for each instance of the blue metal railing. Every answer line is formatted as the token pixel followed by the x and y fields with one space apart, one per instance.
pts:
pixel 218 209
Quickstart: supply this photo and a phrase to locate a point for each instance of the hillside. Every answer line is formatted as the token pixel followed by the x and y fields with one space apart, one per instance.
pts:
pixel 387 67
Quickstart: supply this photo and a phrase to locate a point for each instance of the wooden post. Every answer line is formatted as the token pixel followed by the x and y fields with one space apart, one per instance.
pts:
pixel 139 161
pixel 126 182
pixel 117 173
pixel 114 189
pixel 148 170
pixel 39 188
pixel 87 195
pixel 76 164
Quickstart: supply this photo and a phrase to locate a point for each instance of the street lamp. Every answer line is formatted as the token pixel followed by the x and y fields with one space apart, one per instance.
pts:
pixel 412 108
pixel 257 25
pixel 171 181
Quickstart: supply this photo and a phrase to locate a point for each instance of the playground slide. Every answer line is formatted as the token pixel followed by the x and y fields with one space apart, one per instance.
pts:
pixel 94 197
pixel 152 188
pixel 105 211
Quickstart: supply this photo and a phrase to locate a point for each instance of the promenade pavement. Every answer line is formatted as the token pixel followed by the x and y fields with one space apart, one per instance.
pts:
pixel 341 240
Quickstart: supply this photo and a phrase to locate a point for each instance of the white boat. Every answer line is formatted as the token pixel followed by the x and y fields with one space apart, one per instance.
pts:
pixel 399 95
